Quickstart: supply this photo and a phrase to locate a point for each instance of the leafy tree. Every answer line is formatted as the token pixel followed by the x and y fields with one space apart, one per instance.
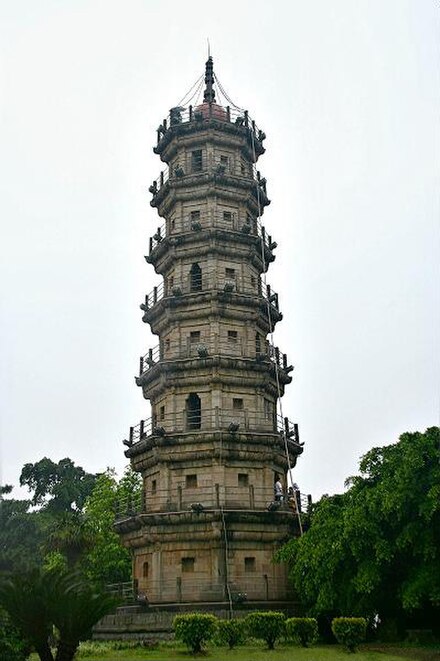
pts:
pixel 58 487
pixel 376 548
pixel 21 534
pixel 108 561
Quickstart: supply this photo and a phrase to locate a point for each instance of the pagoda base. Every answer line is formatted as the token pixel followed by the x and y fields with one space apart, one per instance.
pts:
pixel 155 622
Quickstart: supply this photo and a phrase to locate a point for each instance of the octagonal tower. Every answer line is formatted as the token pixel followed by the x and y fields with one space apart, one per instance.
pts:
pixel 207 527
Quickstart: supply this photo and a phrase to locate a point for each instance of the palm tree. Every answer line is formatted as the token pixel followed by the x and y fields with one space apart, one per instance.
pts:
pixel 25 598
pixel 36 602
pixel 76 606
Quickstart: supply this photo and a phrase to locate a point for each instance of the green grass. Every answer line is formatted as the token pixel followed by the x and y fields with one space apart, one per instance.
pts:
pixel 173 651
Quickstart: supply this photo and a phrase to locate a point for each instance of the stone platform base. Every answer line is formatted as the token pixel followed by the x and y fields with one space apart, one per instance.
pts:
pixel 156 622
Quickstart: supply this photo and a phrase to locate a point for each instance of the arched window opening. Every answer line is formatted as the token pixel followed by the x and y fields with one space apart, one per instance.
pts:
pixel 195 278
pixel 193 411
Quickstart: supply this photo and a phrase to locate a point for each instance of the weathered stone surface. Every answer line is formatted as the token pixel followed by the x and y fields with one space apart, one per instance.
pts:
pixel 214 445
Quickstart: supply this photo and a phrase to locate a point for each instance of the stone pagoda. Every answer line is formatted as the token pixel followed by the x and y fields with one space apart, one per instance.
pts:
pixel 209 455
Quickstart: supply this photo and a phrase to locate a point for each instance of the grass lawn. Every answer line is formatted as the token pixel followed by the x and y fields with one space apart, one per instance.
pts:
pixel 166 652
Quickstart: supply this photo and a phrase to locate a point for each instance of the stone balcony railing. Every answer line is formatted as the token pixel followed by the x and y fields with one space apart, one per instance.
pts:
pixel 193 587
pixel 202 346
pixel 199 499
pixel 196 222
pixel 201 420
pixel 188 119
pixel 232 170
pixel 206 281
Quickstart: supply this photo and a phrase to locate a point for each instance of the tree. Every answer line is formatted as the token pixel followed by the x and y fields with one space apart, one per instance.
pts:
pixel 108 561
pixel 21 534
pixel 61 487
pixel 70 537
pixel 376 548
pixel 38 601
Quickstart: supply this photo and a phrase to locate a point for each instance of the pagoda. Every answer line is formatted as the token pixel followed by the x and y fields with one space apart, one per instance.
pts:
pixel 208 523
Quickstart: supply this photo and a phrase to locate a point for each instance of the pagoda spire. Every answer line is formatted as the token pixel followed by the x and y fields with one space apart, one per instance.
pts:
pixel 209 93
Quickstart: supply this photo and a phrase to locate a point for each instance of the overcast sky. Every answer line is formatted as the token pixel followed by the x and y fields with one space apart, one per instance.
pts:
pixel 347 92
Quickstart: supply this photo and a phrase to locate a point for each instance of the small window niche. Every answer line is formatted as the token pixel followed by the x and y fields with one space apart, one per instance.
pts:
pixel 237 403
pixel 153 486
pixel 194 337
pixel 145 570
pixel 232 336
pixel 191 481
pixel 243 480
pixel 195 221
pixel 230 274
pixel 249 565
pixel 162 413
pixel 196 160
pixel 188 565
pixel 227 217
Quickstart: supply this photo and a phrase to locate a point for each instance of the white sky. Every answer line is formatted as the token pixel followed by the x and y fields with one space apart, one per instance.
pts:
pixel 347 92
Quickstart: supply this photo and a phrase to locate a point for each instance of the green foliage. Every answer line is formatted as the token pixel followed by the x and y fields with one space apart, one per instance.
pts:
pixel 104 649
pixel 231 632
pixel 108 561
pixel 75 606
pixel 349 631
pixel 266 625
pixel 303 630
pixel 25 597
pixel 195 629
pixel 38 601
pixel 21 535
pixel 61 487
pixel 376 548
pixel 12 645
pixel 74 527
pixel 69 536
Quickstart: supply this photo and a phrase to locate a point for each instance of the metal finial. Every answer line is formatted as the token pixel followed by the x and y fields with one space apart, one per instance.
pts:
pixel 209 93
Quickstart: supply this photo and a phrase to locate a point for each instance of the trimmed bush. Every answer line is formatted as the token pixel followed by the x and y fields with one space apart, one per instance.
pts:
pixel 303 630
pixel 349 631
pixel 266 625
pixel 231 632
pixel 195 629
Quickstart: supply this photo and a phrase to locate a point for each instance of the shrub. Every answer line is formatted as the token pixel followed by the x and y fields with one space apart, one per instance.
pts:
pixel 266 625
pixel 195 629
pixel 303 630
pixel 12 646
pixel 349 631
pixel 231 632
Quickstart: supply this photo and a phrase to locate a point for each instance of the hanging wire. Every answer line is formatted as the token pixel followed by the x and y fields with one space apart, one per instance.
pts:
pixel 224 93
pixel 231 610
pixel 269 316
pixel 197 84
